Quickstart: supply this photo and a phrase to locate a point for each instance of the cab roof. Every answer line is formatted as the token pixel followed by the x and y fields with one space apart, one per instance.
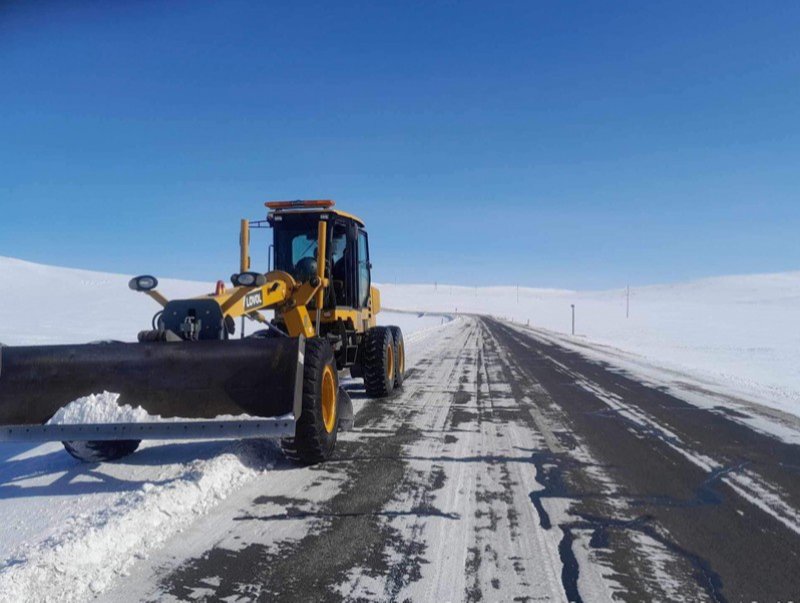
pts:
pixel 317 206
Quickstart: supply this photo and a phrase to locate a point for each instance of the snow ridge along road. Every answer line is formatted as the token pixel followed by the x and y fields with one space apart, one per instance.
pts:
pixel 86 552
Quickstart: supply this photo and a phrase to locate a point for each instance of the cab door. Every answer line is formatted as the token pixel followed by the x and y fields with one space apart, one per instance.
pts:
pixel 363 270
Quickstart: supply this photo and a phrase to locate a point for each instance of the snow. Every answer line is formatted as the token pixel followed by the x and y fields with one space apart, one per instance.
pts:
pixel 47 305
pixel 413 323
pixel 739 331
pixel 104 408
pixel 100 408
pixel 84 552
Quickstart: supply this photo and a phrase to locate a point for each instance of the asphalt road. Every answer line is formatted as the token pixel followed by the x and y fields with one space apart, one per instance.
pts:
pixel 509 469
pixel 720 497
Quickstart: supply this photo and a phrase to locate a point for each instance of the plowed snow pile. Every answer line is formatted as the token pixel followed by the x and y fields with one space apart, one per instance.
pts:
pixel 86 551
pixel 105 408
pixel 100 408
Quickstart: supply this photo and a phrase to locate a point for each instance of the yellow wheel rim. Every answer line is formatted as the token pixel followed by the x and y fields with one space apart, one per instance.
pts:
pixel 328 399
pixel 390 362
pixel 401 360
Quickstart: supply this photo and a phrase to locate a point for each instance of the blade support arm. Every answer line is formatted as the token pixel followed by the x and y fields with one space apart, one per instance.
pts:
pixel 159 299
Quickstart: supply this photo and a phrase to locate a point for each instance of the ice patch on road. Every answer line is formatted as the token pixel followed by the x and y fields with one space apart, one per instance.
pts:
pixel 84 556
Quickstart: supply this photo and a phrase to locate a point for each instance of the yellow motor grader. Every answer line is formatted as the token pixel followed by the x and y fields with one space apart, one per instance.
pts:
pixel 198 378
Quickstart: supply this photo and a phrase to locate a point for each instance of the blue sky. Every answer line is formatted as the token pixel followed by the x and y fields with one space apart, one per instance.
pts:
pixel 566 144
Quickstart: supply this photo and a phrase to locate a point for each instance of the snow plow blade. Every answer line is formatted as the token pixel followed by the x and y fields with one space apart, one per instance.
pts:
pixel 197 381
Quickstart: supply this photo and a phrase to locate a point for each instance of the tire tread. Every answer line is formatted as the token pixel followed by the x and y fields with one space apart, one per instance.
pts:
pixel 375 381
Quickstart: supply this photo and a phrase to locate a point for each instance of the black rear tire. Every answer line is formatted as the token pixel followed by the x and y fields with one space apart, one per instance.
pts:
pixel 98 451
pixel 379 363
pixel 399 356
pixel 316 430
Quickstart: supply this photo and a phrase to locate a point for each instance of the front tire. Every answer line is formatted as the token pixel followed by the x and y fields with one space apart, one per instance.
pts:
pixel 317 428
pixel 379 362
pixel 98 451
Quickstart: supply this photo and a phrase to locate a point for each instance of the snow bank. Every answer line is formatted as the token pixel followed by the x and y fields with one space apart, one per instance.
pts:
pixel 80 305
pixel 86 552
pixel 413 323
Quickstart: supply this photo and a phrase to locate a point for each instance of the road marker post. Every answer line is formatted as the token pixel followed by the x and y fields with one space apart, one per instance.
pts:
pixel 628 302
pixel 573 318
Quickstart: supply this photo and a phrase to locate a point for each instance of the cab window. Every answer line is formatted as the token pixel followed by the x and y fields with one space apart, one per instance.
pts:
pixel 340 272
pixel 363 269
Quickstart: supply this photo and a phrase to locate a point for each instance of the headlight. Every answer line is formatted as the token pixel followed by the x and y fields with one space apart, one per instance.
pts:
pixel 143 283
pixel 248 279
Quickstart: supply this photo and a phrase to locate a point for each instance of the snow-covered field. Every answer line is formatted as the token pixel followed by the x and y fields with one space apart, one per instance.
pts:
pixel 48 305
pixel 741 332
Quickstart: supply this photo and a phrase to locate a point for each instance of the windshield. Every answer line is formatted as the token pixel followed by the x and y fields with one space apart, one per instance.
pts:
pixel 296 249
